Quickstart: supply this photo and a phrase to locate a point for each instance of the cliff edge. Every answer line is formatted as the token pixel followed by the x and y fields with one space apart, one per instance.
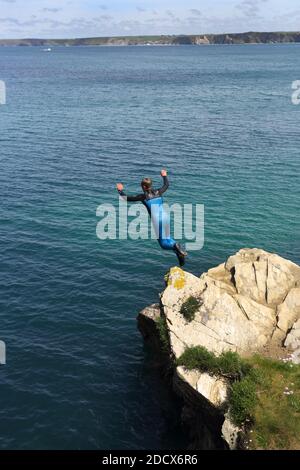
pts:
pixel 232 337
pixel 251 37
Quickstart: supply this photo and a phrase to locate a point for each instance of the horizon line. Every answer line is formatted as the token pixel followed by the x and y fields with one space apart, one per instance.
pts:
pixel 148 35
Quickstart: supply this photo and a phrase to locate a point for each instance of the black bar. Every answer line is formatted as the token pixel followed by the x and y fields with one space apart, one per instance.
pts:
pixel 139 459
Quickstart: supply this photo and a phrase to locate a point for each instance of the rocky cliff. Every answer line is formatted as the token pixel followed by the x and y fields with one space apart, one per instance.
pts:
pixel 236 38
pixel 250 304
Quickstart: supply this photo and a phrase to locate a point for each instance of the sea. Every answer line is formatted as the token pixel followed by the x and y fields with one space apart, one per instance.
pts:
pixel 78 120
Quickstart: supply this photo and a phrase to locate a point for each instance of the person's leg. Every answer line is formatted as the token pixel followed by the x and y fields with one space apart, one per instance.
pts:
pixel 166 241
pixel 181 254
pixel 161 223
pixel 170 244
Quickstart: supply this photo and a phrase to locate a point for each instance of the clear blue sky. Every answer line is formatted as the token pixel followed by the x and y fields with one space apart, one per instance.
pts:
pixel 78 18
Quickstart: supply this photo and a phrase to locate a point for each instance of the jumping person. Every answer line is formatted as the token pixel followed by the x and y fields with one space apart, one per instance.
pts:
pixel 152 199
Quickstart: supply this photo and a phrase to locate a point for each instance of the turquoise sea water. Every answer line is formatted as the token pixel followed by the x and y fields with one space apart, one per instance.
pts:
pixel 77 121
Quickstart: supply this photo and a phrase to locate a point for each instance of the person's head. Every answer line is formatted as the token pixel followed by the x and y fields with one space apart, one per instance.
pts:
pixel 146 184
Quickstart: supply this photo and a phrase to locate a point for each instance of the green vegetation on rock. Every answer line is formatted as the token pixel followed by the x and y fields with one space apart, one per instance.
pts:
pixel 228 364
pixel 264 395
pixel 189 308
pixel 195 39
pixel 243 398
pixel 276 415
pixel 161 325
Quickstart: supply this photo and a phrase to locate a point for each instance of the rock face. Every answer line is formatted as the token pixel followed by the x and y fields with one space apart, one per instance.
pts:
pixel 201 40
pixel 213 389
pixel 236 38
pixel 292 341
pixel 246 304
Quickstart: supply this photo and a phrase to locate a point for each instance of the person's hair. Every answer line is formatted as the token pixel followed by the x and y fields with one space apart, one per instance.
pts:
pixel 146 183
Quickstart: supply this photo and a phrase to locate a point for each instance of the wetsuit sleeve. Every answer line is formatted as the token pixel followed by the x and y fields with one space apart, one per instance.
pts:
pixel 165 186
pixel 139 197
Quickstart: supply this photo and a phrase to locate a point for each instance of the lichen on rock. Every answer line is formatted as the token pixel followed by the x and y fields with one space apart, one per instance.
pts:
pixel 176 278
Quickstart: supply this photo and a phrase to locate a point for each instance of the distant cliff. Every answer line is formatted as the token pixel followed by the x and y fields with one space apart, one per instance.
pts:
pixel 236 38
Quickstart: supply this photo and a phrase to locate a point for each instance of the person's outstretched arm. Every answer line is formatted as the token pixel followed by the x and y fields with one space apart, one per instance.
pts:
pixel 165 186
pixel 138 197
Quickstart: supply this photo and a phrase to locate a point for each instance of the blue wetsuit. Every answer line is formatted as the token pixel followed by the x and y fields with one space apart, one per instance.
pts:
pixel 153 201
pixel 161 222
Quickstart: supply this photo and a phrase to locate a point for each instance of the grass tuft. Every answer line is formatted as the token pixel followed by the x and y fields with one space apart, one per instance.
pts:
pixel 197 358
pixel 242 400
pixel 229 363
pixel 189 308
pixel 265 394
pixel 276 415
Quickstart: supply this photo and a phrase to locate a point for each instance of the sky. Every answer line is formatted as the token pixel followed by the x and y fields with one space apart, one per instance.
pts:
pixel 88 18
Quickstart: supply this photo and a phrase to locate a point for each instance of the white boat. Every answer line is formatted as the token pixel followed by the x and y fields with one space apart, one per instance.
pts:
pixel 47 50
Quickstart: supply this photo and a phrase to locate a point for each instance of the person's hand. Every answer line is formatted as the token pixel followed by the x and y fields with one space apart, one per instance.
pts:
pixel 120 187
pixel 163 173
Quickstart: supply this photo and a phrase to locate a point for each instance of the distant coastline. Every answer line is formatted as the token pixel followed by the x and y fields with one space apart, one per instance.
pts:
pixel 201 39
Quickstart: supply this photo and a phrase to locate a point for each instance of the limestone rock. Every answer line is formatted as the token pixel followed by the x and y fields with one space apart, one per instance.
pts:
pixel 213 389
pixel 230 432
pixel 264 277
pixel 238 303
pixel 147 319
pixel 201 40
pixel 292 340
pixel 247 304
